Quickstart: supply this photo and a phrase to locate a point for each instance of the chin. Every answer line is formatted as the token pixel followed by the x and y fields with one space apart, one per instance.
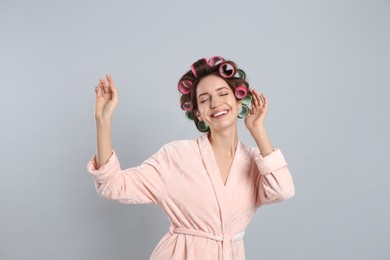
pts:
pixel 223 127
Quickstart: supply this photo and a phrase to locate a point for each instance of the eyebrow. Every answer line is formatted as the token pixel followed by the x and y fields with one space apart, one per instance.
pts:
pixel 218 89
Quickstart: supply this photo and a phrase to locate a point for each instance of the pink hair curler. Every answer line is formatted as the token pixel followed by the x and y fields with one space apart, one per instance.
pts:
pixel 215 60
pixel 227 70
pixel 187 105
pixel 241 92
pixel 185 86
pixel 193 71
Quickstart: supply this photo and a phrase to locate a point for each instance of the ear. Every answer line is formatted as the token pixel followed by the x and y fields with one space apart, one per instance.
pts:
pixel 197 114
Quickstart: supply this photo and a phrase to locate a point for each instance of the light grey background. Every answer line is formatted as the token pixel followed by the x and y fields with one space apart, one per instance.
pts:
pixel 324 65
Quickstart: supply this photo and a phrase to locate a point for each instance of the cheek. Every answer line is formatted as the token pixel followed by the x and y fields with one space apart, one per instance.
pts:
pixel 201 112
pixel 238 107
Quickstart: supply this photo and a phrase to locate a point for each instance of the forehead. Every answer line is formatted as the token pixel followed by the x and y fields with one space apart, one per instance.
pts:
pixel 210 83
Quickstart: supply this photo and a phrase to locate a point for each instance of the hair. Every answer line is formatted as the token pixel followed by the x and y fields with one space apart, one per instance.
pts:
pixel 202 68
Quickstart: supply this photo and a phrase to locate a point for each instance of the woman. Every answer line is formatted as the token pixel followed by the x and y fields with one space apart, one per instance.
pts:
pixel 209 187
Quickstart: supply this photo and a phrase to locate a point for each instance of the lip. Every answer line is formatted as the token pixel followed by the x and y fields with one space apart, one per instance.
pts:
pixel 219 111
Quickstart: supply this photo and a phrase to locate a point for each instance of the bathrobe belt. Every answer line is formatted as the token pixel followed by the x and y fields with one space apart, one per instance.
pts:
pixel 225 238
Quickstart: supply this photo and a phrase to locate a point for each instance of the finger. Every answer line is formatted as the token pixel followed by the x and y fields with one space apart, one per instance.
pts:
pixel 97 91
pixel 257 98
pixel 112 87
pixel 110 80
pixel 254 100
pixel 251 112
pixel 105 86
pixel 102 92
pixel 262 100
pixel 265 100
pixel 100 85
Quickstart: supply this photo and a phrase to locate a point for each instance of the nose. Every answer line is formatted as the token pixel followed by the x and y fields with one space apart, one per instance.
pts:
pixel 214 102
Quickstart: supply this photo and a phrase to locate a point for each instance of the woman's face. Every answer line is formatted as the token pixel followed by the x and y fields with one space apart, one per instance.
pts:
pixel 217 105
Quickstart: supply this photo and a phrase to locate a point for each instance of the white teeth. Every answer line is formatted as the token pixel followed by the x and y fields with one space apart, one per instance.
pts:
pixel 219 113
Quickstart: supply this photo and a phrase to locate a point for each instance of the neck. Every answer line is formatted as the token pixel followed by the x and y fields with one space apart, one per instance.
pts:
pixel 224 141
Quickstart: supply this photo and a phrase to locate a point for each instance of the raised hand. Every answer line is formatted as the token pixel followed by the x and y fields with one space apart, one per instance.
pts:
pixel 106 100
pixel 256 116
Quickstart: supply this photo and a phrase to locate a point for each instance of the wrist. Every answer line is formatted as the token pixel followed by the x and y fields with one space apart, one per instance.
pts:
pixel 257 130
pixel 103 121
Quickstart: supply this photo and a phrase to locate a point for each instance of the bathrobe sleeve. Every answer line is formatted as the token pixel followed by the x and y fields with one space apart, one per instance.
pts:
pixel 274 180
pixel 143 184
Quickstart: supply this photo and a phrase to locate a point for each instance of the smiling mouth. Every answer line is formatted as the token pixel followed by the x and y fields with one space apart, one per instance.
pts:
pixel 219 114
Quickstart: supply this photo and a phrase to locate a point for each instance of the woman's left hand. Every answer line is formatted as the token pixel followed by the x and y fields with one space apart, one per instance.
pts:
pixel 256 116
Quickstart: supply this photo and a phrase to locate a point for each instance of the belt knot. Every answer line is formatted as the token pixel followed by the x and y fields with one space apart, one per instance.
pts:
pixel 225 238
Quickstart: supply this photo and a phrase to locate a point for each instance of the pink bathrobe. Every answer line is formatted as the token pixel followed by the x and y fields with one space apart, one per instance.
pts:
pixel 208 219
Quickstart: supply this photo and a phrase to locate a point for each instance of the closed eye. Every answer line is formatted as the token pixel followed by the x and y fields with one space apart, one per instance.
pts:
pixel 203 101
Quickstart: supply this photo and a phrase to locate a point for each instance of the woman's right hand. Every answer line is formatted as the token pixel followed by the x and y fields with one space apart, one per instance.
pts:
pixel 106 100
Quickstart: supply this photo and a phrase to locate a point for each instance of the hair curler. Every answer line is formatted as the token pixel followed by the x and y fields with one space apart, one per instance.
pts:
pixel 190 115
pixel 227 70
pixel 240 74
pixel 193 70
pixel 185 86
pixel 203 127
pixel 240 92
pixel 215 60
pixel 247 100
pixel 187 105
pixel 244 111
